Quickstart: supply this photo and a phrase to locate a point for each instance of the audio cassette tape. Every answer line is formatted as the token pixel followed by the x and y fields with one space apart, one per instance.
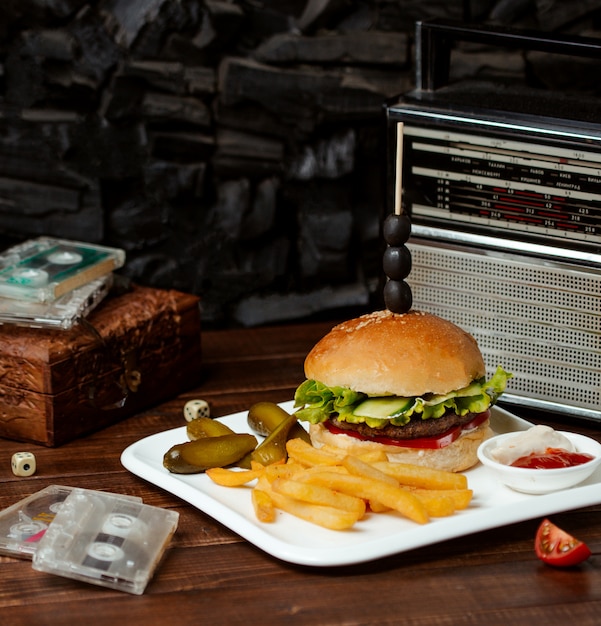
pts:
pixel 43 269
pixel 23 524
pixel 62 313
pixel 105 540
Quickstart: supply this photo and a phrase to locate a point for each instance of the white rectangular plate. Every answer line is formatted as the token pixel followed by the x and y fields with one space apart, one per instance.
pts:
pixel 378 535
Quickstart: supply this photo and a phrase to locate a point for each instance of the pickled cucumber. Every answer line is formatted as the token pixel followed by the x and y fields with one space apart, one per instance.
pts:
pixel 206 427
pixel 273 449
pixel 265 417
pixel 194 457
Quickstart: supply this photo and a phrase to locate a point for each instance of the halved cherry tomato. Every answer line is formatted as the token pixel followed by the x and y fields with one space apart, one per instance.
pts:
pixel 556 547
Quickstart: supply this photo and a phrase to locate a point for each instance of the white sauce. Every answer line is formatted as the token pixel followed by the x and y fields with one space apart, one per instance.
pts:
pixel 536 439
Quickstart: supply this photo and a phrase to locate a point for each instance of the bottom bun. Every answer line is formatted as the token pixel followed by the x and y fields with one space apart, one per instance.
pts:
pixel 456 457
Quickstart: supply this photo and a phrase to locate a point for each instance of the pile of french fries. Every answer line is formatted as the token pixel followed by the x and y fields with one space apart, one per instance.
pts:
pixel 330 488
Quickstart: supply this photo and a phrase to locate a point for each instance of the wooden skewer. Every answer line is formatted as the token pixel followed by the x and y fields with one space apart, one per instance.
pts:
pixel 398 189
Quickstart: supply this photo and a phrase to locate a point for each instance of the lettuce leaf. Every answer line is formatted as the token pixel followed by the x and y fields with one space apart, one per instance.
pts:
pixel 319 401
pixel 316 402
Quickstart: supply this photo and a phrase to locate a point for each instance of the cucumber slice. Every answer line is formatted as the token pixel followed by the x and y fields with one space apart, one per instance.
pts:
pixel 383 408
pixel 473 389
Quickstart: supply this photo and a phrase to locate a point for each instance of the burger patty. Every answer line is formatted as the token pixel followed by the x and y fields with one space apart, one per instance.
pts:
pixel 414 429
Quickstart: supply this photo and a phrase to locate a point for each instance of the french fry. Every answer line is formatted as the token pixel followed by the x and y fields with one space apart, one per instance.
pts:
pixel 306 454
pixel 401 500
pixel 461 497
pixel 378 507
pixel 339 453
pixel 330 488
pixel 263 484
pixel 437 506
pixel 263 506
pixel 371 456
pixel 233 478
pixel 315 469
pixel 325 516
pixel 356 466
pixel 282 471
pixel 417 476
pixel 316 494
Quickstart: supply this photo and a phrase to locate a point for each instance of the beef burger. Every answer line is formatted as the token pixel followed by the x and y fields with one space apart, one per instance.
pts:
pixel 412 384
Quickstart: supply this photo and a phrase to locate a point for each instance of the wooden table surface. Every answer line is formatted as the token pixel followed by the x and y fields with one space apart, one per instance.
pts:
pixel 211 576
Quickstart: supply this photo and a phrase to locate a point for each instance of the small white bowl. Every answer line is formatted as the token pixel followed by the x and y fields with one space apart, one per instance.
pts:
pixel 538 481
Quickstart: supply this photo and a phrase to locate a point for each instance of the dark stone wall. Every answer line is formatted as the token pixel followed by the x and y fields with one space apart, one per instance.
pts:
pixel 234 149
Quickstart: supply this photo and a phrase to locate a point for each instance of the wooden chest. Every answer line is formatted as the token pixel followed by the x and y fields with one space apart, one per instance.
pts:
pixel 133 351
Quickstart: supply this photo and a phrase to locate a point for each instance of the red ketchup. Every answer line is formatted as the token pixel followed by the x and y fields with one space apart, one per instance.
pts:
pixel 552 458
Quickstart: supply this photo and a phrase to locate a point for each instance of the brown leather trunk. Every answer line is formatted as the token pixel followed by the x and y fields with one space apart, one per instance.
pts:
pixel 135 350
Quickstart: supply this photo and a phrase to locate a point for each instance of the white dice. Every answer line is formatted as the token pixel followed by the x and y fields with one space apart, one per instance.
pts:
pixel 23 464
pixel 193 409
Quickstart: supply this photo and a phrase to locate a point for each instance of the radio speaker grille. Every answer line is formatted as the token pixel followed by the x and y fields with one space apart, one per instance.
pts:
pixel 539 319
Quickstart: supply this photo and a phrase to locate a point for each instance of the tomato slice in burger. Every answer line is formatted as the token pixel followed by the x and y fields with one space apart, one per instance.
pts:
pixel 556 547
pixel 427 443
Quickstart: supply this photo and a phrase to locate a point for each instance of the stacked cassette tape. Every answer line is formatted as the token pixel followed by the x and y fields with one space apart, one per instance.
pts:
pixel 52 283
pixel 102 538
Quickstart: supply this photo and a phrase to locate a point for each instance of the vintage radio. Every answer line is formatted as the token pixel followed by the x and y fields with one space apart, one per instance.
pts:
pixel 503 186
